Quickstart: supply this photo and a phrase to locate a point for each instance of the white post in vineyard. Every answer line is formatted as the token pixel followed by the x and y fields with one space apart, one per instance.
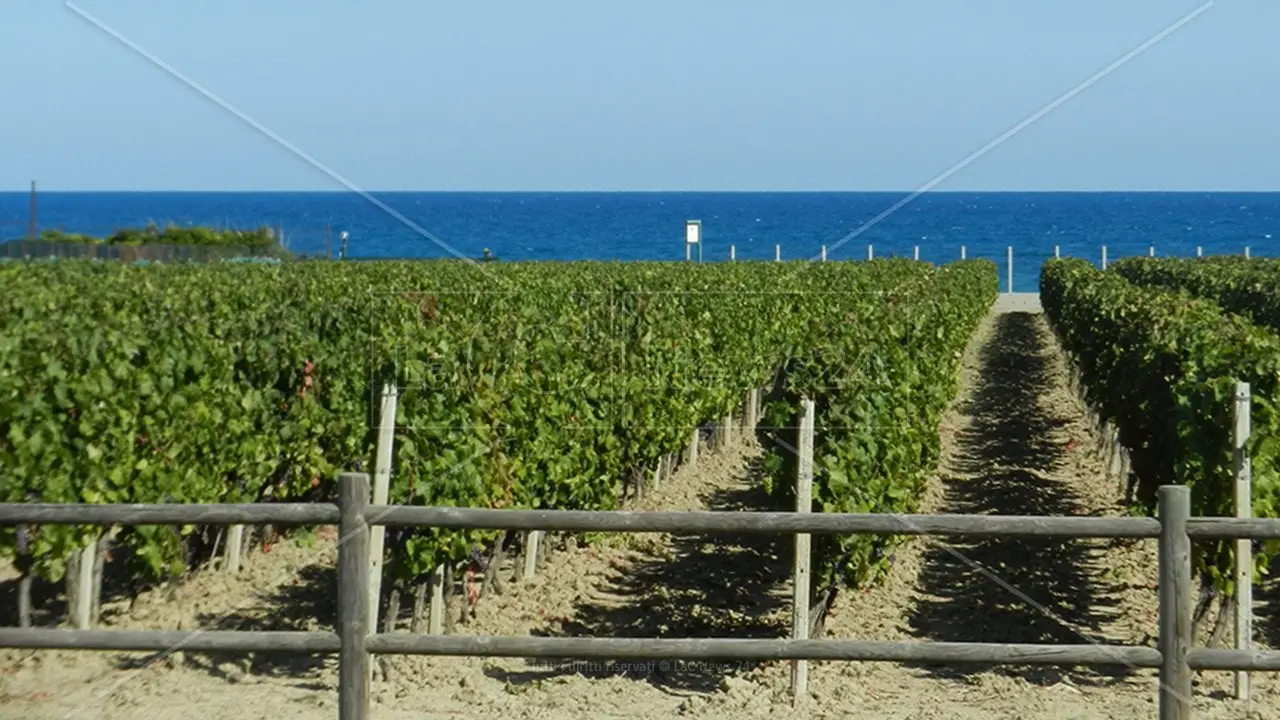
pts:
pixel 381 488
pixel 1104 257
pixel 800 571
pixel 1009 255
pixel 871 252
pixel 824 253
pixel 777 253
pixel 733 254
pixel 1056 253
pixel 962 253
pixel 915 253
pixel 1244 548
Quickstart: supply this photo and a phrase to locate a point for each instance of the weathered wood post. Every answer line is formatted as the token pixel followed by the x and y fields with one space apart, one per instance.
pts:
pixel 381 489
pixel 800 572
pixel 82 601
pixel 691 457
pixel 235 549
pixel 1244 509
pixel 1175 603
pixel 1104 257
pixel 435 612
pixel 824 253
pixel 354 667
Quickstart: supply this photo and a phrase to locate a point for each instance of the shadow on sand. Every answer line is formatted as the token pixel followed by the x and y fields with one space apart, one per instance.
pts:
pixel 1036 589
pixel 707 587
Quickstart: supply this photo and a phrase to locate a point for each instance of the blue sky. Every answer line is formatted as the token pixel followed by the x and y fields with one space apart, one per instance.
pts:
pixel 659 95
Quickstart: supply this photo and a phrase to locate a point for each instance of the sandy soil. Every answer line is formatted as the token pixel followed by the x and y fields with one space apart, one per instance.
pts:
pixel 1015 442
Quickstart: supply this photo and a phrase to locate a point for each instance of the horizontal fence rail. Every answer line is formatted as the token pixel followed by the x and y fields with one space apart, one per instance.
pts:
pixel 355 640
pixel 625 521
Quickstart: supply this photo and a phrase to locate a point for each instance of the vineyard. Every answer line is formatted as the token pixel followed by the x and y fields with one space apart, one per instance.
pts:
pixel 553 386
pixel 1163 364
pixel 572 385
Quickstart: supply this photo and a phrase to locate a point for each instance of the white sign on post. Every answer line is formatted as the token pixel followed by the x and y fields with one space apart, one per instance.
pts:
pixel 693 231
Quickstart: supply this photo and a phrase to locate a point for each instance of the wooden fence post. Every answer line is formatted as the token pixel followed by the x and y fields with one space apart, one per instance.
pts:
pixel 692 455
pixel 726 430
pixel 354 667
pixel 1175 603
pixel 800 572
pixel 381 488
pixel 1244 509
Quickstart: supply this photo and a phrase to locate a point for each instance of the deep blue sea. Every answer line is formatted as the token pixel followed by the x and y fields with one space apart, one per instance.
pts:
pixel 650 226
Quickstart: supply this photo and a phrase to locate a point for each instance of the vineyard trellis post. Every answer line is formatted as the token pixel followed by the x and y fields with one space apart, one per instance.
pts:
pixel 777 253
pixel 435 613
pixel 381 490
pixel 1246 252
pixel 1057 252
pixel 1241 429
pixel 824 253
pixel 1199 251
pixel 1104 257
pixel 915 252
pixel 800 573
pixel 871 252
pixel 83 602
pixel 962 253
pixel 235 549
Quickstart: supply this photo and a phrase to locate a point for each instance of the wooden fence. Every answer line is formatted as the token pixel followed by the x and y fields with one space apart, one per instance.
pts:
pixel 354 641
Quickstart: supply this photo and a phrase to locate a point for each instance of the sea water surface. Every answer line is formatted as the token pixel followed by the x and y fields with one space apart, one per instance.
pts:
pixel 650 226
